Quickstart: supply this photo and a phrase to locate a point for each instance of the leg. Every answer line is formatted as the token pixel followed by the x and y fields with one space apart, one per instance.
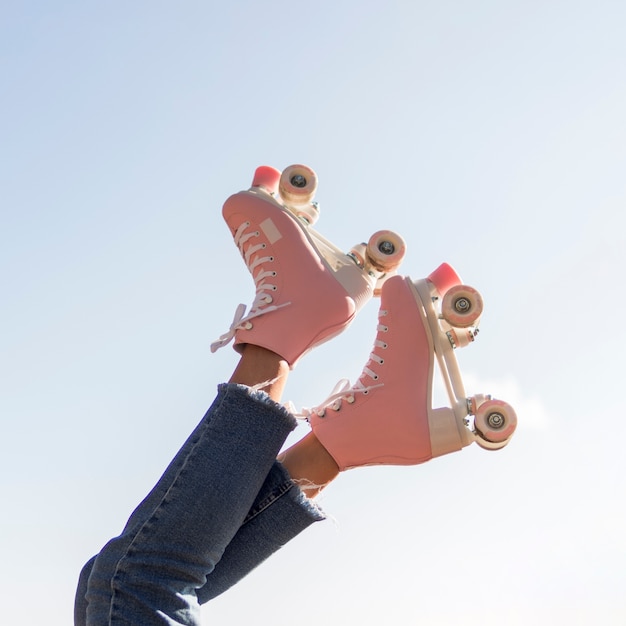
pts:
pixel 310 465
pixel 280 512
pixel 177 535
pixel 173 540
pixel 262 369
pixel 152 572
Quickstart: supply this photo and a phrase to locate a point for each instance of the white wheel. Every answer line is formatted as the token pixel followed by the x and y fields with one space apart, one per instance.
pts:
pixel 358 254
pixel 385 250
pixel 308 212
pixel 461 337
pixel 461 306
pixel 487 445
pixel 297 186
pixel 495 422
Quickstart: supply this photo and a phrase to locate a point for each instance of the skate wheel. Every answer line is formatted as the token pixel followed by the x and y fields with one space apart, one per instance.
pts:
pixel 488 445
pixel 461 337
pixel 297 185
pixel 358 254
pixel 385 250
pixel 266 177
pixel 461 306
pixel 308 212
pixel 495 421
pixel 444 278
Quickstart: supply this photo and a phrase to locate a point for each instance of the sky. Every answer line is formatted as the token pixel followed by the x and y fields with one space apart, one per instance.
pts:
pixel 491 135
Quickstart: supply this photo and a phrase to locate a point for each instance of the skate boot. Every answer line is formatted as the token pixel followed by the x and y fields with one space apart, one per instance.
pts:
pixel 307 289
pixel 387 417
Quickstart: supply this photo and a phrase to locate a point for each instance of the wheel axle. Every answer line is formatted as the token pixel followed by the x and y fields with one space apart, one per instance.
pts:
pixel 462 305
pixel 298 181
pixel 496 420
pixel 386 247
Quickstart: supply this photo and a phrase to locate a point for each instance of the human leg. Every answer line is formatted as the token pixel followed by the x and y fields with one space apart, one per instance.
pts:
pixel 172 541
pixel 279 513
pixel 149 573
pixel 130 579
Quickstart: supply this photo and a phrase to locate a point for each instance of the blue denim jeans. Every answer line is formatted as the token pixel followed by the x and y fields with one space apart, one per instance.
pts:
pixel 222 507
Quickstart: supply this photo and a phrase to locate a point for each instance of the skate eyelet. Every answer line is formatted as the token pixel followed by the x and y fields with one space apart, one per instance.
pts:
pixel 274 288
pixel 385 346
pixel 274 274
pixel 248 326
pixel 385 329
pixel 375 377
pixel 271 259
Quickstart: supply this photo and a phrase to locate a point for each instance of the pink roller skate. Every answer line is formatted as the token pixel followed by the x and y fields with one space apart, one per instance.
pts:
pixel 307 289
pixel 387 417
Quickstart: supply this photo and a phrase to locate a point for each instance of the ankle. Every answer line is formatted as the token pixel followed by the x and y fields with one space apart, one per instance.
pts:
pixel 261 368
pixel 310 465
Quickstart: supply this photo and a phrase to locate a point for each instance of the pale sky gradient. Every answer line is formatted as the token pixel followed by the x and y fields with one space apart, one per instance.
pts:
pixel 492 135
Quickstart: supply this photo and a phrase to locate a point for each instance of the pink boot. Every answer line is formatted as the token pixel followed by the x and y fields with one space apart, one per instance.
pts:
pixel 387 417
pixel 307 290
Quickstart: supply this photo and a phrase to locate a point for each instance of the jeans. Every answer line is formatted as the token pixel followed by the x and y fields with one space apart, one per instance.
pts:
pixel 223 505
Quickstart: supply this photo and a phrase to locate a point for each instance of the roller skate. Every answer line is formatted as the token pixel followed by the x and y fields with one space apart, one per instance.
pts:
pixel 387 416
pixel 307 289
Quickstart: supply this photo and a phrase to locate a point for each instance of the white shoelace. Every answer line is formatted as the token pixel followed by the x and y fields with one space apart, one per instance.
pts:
pixel 343 390
pixel 263 299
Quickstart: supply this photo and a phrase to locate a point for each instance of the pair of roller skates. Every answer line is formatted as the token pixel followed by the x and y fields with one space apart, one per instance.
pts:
pixel 308 290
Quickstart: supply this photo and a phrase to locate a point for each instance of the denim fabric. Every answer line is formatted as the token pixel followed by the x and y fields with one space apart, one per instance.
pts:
pixel 280 512
pixel 223 499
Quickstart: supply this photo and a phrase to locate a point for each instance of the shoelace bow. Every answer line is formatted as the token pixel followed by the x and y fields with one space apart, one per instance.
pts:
pixel 343 390
pixel 263 297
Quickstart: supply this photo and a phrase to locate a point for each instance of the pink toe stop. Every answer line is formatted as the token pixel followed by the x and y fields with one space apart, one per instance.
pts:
pixel 444 277
pixel 266 177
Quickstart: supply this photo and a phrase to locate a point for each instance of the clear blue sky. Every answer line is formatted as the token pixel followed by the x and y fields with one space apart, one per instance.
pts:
pixel 490 134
